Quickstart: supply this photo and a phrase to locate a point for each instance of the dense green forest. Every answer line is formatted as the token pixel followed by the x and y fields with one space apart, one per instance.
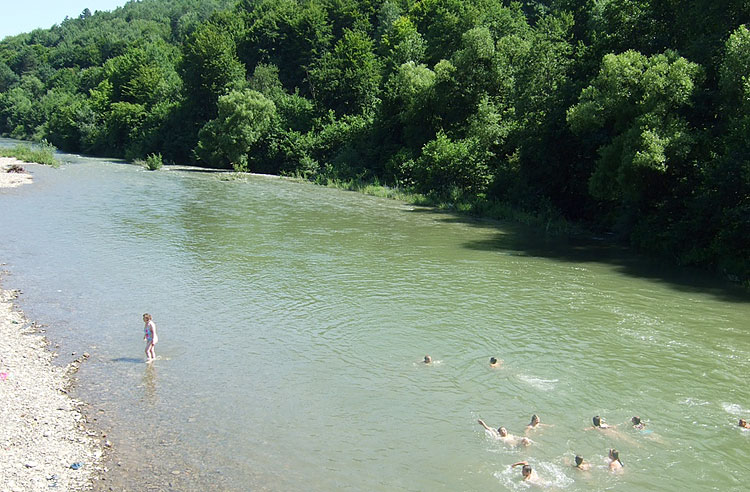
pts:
pixel 630 116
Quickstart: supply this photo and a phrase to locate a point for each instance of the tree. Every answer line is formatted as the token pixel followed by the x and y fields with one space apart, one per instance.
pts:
pixel 210 68
pixel 407 109
pixel 347 78
pixel 442 23
pixel 450 169
pixel 7 77
pixel 401 43
pixel 724 200
pixel 244 119
pixel 636 102
pixel 285 33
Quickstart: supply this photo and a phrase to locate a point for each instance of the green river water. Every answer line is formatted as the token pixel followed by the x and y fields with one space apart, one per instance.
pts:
pixel 293 320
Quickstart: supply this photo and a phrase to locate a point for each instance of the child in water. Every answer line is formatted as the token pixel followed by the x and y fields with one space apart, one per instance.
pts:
pixel 149 335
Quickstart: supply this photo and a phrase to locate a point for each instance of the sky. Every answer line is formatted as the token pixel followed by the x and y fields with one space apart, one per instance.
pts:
pixel 17 16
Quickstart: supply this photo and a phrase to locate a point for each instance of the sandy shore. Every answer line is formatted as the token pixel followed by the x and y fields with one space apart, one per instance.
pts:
pixel 44 444
pixel 9 180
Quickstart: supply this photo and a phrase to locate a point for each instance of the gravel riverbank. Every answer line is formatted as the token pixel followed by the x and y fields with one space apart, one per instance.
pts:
pixel 44 442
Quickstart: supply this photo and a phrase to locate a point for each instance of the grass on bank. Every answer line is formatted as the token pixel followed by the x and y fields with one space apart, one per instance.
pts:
pixel 43 153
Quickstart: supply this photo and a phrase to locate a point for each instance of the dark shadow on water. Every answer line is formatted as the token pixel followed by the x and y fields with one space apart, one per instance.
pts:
pixel 534 243
pixel 131 360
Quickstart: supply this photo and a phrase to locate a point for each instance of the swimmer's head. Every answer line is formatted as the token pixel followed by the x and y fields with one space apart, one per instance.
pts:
pixel 493 361
pixel 502 431
pixel 526 471
pixel 614 455
pixel 597 421
pixel 427 359
pixel 636 420
pixel 579 460
pixel 534 420
pixel 743 423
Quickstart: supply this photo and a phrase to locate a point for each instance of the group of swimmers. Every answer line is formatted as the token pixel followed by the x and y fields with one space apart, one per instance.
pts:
pixel 529 475
pixel 527 472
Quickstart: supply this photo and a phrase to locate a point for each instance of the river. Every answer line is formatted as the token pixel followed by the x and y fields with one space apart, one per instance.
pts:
pixel 293 320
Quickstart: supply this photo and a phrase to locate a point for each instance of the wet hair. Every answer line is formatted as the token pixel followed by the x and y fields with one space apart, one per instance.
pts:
pixel 534 418
pixel 579 460
pixel 427 359
pixel 493 360
pixel 615 455
pixel 526 470
pixel 147 316
pixel 597 421
pixel 636 420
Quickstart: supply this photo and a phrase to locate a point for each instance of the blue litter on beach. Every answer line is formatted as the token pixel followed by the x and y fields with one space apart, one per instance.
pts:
pixel 76 466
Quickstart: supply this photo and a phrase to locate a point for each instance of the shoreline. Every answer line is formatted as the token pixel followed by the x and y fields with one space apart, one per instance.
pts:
pixel 45 441
pixel 11 180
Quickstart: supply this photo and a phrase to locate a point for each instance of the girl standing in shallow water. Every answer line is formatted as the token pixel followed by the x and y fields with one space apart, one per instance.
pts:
pixel 149 334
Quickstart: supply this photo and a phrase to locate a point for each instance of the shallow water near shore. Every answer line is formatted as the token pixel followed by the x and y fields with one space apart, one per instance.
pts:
pixel 293 319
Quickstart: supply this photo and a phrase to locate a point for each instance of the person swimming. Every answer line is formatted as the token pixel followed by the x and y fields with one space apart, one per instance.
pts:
pixel 427 359
pixel 503 434
pixel 615 464
pixel 743 423
pixel 580 464
pixel 528 473
pixel 599 423
pixel 535 423
pixel 611 430
pixel 494 362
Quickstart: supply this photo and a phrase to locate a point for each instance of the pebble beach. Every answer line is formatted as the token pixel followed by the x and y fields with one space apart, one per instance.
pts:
pixel 45 443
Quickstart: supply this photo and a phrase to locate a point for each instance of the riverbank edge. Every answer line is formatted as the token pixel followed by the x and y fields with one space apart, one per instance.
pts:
pixel 45 438
pixel 480 209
